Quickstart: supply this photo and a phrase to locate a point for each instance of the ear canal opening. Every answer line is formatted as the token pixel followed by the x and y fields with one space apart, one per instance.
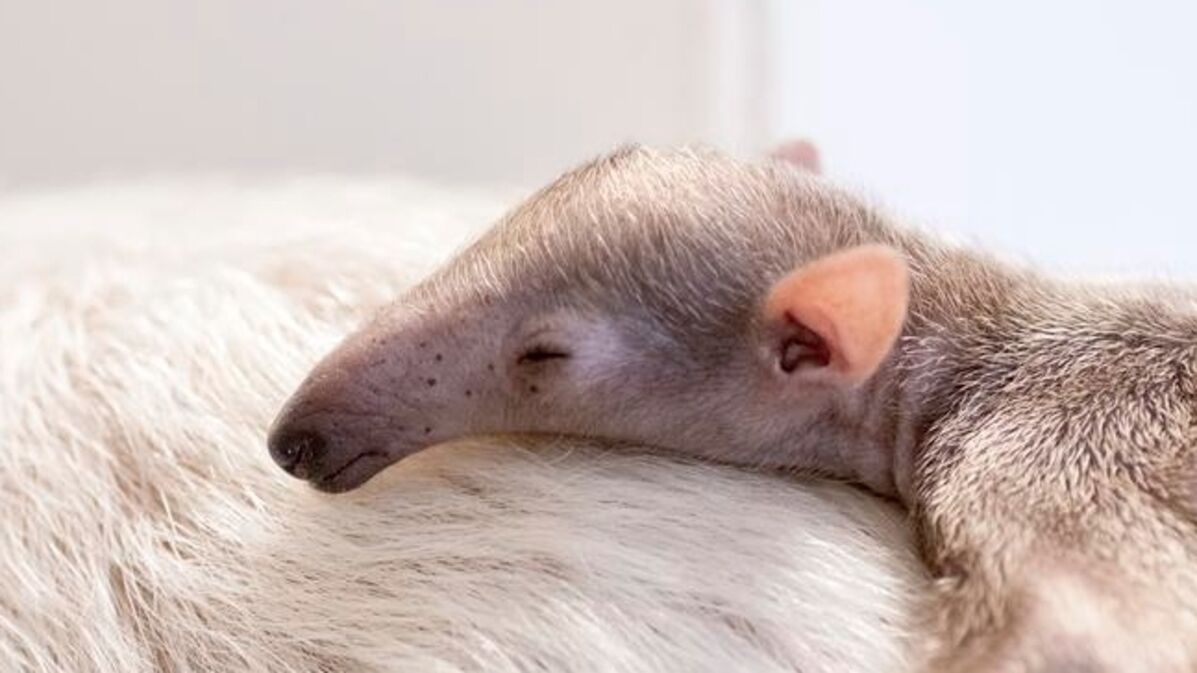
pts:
pixel 801 348
pixel 853 300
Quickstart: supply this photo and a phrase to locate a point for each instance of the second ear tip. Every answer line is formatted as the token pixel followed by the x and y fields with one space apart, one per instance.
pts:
pixel 799 152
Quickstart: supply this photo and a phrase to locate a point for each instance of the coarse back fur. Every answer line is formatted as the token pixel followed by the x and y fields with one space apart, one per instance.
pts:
pixel 148 331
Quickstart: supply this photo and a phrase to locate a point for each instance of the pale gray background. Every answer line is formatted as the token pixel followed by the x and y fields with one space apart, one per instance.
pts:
pixel 1062 131
pixel 469 90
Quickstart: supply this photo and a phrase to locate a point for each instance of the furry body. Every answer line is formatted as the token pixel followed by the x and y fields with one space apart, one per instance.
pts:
pixel 1040 431
pixel 147 334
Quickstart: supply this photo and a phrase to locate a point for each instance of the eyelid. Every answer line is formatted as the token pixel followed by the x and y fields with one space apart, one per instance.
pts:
pixel 541 353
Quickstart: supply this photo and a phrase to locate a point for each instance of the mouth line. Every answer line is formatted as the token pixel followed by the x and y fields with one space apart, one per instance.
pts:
pixel 327 479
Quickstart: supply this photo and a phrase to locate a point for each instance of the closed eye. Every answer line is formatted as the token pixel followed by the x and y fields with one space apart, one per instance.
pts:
pixel 541 354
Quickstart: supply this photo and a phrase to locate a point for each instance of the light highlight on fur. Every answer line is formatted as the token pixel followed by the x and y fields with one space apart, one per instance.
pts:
pixel 148 332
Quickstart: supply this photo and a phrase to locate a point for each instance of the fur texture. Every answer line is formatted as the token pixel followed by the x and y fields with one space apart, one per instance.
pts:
pixel 148 332
pixel 1040 430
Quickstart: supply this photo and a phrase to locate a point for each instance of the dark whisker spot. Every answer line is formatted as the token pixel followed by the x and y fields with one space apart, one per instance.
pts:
pixel 431 382
pixel 439 357
pixel 427 430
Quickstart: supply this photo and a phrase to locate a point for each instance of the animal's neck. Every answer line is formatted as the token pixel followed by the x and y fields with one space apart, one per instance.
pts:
pixel 957 298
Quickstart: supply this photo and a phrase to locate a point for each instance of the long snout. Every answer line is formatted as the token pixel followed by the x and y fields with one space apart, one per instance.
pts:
pixel 389 390
pixel 334 430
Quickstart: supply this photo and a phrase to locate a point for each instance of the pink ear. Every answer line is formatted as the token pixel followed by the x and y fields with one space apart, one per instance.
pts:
pixel 801 153
pixel 854 300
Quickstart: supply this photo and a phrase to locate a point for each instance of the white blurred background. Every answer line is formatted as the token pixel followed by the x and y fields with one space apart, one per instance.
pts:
pixel 1063 132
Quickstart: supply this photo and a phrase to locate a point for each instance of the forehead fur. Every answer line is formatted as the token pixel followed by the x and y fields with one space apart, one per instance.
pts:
pixel 690 234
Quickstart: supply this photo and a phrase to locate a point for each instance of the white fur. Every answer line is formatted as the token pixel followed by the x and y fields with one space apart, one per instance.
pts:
pixel 148 333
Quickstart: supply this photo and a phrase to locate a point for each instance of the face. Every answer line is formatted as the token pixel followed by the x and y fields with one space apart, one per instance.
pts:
pixel 625 301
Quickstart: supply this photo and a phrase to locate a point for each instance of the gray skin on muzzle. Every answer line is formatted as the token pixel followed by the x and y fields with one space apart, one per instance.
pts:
pixel 620 302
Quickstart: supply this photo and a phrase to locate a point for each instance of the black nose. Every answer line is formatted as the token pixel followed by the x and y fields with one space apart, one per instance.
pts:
pixel 297 451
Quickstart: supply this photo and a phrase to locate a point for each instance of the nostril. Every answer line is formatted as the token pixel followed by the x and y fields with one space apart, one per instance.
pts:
pixel 294 451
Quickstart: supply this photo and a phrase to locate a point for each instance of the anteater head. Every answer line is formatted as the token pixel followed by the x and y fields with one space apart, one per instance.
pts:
pixel 679 299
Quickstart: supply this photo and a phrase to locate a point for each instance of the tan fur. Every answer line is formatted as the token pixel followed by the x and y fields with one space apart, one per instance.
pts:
pixel 1041 432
